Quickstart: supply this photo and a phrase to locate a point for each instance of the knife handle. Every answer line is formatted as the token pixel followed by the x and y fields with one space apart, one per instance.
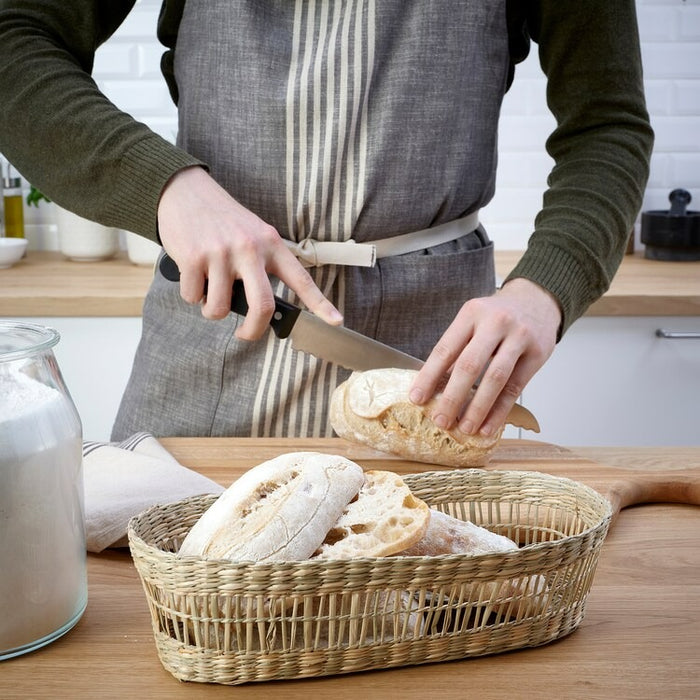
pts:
pixel 283 318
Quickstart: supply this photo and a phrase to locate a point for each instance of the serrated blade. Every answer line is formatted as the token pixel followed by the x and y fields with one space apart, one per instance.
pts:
pixel 346 347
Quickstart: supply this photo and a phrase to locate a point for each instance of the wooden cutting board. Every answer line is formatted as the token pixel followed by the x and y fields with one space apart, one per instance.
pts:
pixel 623 487
pixel 224 459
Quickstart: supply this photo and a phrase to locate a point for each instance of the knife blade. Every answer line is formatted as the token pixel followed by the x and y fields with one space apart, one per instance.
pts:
pixel 308 333
pixel 336 344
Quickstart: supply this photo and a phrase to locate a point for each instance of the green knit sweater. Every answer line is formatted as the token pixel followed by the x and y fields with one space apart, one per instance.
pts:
pixel 66 138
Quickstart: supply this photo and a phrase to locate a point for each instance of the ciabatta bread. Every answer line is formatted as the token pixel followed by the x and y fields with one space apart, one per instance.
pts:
pixel 385 518
pixel 448 535
pixel 509 598
pixel 280 510
pixel 373 408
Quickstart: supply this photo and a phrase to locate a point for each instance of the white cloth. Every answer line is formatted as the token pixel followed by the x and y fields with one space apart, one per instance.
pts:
pixel 123 479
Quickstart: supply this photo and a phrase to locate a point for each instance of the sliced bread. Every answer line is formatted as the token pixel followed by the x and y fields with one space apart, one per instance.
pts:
pixel 385 518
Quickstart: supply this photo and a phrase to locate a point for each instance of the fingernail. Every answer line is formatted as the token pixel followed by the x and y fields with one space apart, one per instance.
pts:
pixel 441 421
pixel 336 316
pixel 416 396
pixel 486 430
pixel 467 427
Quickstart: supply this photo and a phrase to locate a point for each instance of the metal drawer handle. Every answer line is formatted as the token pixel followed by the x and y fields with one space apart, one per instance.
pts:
pixel 677 335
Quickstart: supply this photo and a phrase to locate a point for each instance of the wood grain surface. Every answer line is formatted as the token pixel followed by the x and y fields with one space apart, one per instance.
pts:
pixel 640 637
pixel 47 284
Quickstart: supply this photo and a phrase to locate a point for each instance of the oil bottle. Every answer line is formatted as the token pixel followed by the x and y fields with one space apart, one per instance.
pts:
pixel 13 204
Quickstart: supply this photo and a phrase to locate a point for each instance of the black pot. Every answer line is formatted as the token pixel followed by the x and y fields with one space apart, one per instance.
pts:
pixel 672 234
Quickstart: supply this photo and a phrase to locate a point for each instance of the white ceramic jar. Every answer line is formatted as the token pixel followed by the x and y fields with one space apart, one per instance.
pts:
pixel 83 240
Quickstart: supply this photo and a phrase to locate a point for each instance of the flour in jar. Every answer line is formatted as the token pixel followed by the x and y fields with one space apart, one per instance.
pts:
pixel 20 394
pixel 43 585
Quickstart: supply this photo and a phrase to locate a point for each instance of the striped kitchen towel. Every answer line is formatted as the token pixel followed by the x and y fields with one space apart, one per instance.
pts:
pixel 123 479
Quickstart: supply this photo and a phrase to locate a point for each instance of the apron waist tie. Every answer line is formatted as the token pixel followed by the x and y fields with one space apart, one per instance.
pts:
pixel 313 253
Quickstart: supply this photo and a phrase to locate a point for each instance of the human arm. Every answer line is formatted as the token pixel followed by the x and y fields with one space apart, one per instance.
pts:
pixel 601 147
pixel 61 132
pixel 83 152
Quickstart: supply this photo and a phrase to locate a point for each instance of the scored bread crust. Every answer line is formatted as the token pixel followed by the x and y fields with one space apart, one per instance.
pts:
pixel 448 535
pixel 385 518
pixel 373 408
pixel 280 510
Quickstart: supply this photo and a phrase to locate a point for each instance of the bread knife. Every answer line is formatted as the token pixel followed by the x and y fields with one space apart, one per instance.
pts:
pixel 336 344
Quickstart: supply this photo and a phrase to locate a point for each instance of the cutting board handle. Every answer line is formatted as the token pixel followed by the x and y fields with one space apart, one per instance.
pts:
pixel 674 486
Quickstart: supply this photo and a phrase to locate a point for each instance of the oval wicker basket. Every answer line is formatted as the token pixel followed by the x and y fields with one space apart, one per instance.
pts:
pixel 236 622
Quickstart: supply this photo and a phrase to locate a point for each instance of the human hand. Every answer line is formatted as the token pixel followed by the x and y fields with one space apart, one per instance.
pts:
pixel 513 332
pixel 214 238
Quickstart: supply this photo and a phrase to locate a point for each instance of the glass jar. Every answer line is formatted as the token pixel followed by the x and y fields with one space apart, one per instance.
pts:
pixel 43 575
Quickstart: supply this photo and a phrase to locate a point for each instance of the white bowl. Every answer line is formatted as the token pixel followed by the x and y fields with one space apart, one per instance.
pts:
pixel 140 250
pixel 11 250
pixel 84 240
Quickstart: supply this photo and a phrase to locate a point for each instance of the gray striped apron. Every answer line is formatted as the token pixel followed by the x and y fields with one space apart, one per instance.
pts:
pixel 330 119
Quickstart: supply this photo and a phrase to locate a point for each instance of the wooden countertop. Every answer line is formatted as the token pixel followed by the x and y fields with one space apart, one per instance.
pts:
pixel 641 287
pixel 640 637
pixel 46 284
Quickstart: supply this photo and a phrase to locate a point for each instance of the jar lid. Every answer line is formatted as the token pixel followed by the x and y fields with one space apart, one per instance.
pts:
pixel 12 183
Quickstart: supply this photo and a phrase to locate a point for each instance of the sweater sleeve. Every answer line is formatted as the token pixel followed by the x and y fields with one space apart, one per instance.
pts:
pixel 589 52
pixel 61 132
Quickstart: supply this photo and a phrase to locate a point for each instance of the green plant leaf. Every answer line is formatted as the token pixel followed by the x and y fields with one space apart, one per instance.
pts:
pixel 35 196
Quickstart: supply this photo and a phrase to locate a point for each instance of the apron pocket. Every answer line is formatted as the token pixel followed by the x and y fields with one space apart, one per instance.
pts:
pixel 422 292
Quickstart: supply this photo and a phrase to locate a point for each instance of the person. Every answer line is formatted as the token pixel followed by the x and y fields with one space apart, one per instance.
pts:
pixel 348 122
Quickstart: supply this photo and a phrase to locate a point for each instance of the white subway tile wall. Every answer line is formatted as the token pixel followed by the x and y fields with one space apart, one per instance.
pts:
pixel 127 69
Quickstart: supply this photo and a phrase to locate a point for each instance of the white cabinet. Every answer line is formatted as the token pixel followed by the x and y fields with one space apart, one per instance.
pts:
pixel 612 381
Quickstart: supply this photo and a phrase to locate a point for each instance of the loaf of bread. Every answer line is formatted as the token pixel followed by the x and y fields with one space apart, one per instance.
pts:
pixel 385 518
pixel 373 408
pixel 507 599
pixel 280 510
pixel 448 535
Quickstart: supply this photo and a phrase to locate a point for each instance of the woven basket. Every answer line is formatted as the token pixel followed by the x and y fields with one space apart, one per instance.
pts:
pixel 235 622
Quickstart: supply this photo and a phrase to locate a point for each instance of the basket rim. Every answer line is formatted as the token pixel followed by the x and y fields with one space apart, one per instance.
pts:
pixel 321 564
